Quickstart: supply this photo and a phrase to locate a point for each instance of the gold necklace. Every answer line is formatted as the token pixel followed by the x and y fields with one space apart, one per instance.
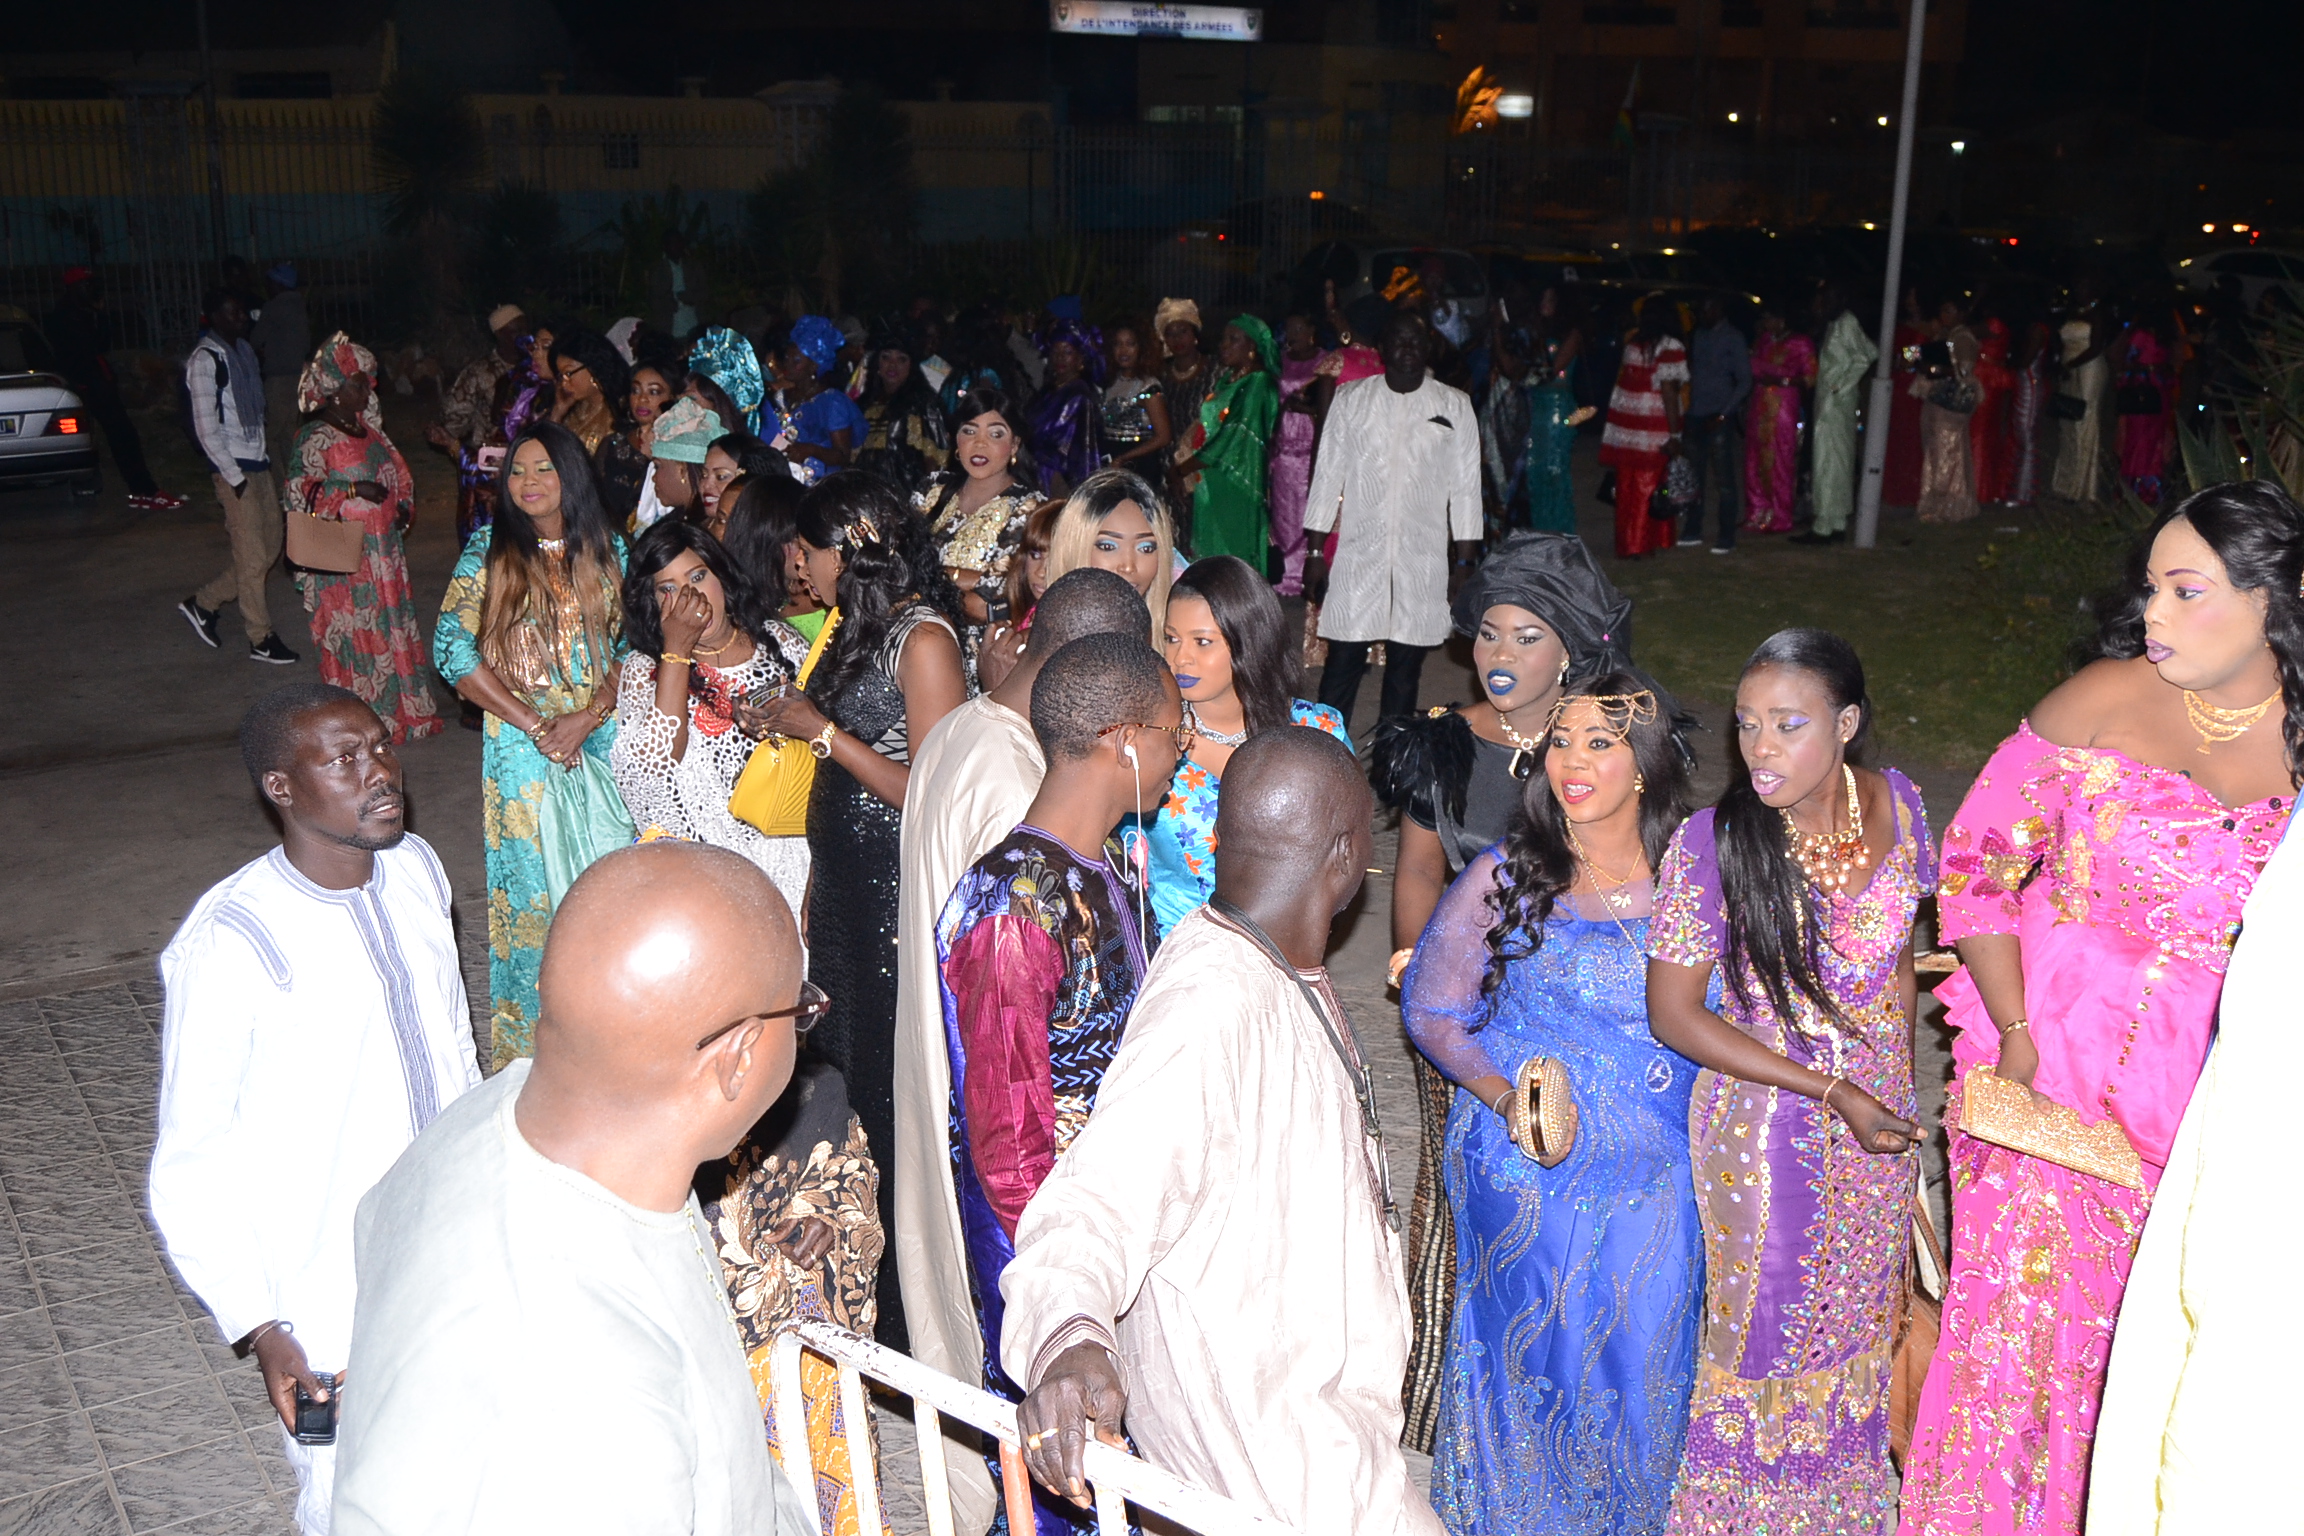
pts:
pixel 1828 858
pixel 1524 748
pixel 734 634
pixel 1610 901
pixel 2215 725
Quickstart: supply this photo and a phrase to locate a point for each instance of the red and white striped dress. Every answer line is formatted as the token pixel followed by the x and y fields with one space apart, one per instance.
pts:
pixel 1634 436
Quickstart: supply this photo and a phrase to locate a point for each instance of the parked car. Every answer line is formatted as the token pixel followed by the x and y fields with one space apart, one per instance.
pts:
pixel 45 434
pixel 2259 268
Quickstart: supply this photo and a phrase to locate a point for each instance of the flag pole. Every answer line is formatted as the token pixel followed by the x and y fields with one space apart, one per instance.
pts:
pixel 1883 381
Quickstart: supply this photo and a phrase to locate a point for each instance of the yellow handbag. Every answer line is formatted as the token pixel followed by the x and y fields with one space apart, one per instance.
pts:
pixel 772 791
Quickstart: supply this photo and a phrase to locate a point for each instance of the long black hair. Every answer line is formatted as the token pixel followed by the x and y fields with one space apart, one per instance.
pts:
pixel 1537 865
pixel 1772 931
pixel 972 403
pixel 761 527
pixel 1248 617
pixel 2257 530
pixel 665 542
pixel 888 564
pixel 598 357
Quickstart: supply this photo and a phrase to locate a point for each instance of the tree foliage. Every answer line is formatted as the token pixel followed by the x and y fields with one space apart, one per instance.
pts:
pixel 425 143
pixel 838 226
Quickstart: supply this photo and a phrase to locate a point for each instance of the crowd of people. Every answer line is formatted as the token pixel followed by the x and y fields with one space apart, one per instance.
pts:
pixel 910 874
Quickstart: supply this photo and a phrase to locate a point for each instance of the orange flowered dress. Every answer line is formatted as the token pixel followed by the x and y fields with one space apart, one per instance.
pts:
pixel 363 620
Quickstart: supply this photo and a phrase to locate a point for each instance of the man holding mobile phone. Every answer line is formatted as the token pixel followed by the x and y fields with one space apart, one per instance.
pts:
pixel 316 1021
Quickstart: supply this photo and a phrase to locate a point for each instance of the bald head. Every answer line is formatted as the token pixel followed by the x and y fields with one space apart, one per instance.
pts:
pixel 653 948
pixel 1294 804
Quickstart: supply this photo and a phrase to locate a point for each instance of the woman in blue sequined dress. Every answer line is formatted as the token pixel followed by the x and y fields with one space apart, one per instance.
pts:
pixel 1578 1287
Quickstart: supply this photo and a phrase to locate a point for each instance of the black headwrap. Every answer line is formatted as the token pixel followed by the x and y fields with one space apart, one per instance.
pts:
pixel 1554 576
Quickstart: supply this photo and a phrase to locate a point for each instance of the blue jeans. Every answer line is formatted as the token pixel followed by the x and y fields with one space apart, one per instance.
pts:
pixel 1715 445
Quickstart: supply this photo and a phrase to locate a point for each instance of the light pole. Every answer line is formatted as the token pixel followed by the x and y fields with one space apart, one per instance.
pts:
pixel 1883 382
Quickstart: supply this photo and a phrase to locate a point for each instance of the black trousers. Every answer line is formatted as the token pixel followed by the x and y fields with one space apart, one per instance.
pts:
pixel 102 397
pixel 1348 663
pixel 1715 446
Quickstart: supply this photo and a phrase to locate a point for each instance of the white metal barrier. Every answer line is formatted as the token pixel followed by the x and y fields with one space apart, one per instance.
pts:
pixel 1117 1478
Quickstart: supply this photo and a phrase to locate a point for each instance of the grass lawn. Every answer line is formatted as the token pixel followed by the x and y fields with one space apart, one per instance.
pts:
pixel 1961 627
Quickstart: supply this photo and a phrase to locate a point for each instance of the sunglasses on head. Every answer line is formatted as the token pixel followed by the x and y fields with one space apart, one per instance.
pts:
pixel 813 1005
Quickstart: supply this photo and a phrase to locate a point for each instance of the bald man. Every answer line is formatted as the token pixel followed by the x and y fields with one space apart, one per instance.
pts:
pixel 1216 1257
pixel 542 1341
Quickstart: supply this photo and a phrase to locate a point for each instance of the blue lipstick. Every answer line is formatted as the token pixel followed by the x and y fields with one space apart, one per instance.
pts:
pixel 1502 682
pixel 1186 682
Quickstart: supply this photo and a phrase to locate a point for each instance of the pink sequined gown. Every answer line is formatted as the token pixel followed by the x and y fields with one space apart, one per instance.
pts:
pixel 2124 884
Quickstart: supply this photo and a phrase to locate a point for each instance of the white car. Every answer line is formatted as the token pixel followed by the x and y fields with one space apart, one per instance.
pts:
pixel 46 435
pixel 2259 269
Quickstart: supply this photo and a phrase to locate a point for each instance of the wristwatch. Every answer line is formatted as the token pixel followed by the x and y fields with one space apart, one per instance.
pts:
pixel 821 743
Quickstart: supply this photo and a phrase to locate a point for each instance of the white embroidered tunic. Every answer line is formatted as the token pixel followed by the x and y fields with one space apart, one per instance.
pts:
pixel 1398 476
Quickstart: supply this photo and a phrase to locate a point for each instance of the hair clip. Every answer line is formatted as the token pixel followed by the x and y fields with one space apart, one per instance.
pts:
pixel 861 529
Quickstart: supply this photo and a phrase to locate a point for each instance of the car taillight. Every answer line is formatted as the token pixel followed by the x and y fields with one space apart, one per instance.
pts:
pixel 63 425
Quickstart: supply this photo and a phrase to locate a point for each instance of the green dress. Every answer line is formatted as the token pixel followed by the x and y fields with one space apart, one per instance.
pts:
pixel 512 777
pixel 1229 516
pixel 1551 451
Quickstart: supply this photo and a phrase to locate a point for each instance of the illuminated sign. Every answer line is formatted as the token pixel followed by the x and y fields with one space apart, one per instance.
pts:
pixel 1125 18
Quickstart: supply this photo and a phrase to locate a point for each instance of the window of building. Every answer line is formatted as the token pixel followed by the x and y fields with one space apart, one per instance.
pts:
pixel 620 152
pixel 1192 114
pixel 58 88
pixel 1616 15
pixel 1879 14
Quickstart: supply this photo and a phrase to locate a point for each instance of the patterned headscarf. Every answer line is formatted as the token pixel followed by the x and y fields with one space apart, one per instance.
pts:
pixel 338 359
pixel 684 431
pixel 1171 311
pixel 1261 334
pixel 728 360
pixel 1087 338
pixel 818 340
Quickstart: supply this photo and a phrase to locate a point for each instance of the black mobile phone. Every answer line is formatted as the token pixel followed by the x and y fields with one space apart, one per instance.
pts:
pixel 316 1420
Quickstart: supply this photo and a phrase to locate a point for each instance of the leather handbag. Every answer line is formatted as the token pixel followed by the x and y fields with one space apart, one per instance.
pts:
pixel 324 543
pixel 2006 1114
pixel 1917 1331
pixel 771 793
pixel 1541 1110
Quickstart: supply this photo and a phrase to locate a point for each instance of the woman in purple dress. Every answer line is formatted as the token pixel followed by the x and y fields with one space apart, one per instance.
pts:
pixel 1300 357
pixel 1064 417
pixel 1800 888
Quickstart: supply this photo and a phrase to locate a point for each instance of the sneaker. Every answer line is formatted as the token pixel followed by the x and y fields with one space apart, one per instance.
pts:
pixel 157 501
pixel 202 620
pixel 270 649
pixel 1723 549
pixel 1692 541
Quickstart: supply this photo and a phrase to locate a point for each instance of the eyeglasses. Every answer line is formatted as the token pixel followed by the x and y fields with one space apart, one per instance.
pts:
pixel 804 1014
pixel 1183 733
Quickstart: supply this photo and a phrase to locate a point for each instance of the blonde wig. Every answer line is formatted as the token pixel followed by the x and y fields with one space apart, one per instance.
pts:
pixel 1072 543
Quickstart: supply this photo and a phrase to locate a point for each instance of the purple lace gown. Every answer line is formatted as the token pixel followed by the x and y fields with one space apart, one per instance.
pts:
pixel 1807 1236
pixel 1291 477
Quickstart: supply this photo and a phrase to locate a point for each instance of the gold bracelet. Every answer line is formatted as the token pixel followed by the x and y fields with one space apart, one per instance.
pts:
pixel 1399 964
pixel 1825 1098
pixel 686 661
pixel 2012 1026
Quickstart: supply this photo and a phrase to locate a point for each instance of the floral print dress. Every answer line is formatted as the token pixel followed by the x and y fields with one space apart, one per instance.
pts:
pixel 512 778
pixel 363 620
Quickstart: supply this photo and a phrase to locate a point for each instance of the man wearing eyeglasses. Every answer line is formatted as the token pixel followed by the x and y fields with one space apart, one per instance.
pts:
pixel 543 1340
pixel 1041 945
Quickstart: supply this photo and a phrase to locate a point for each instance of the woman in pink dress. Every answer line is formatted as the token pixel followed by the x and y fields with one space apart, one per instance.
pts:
pixel 1783 364
pixel 342 467
pixel 1300 358
pixel 2093 882
pixel 2143 395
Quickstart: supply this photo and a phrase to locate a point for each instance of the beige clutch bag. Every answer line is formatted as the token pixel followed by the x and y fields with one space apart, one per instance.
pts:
pixel 2004 1113
pixel 1541 1111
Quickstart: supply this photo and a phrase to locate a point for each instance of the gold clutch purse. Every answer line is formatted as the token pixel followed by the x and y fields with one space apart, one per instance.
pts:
pixel 1542 1112
pixel 2004 1113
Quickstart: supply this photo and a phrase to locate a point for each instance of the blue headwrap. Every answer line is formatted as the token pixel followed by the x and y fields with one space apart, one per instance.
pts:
pixel 727 360
pixel 1087 338
pixel 819 340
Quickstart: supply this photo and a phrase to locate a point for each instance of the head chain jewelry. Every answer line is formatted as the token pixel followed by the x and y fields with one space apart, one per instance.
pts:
pixel 1622 711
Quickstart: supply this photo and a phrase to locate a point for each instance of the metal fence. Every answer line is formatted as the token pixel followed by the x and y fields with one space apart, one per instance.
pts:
pixel 1117 1480
pixel 1012 205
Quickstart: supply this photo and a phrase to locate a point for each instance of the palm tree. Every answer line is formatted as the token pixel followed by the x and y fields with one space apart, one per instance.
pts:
pixel 424 141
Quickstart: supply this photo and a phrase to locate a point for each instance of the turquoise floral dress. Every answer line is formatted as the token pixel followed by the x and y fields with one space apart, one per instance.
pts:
pixel 1180 853
pixel 512 777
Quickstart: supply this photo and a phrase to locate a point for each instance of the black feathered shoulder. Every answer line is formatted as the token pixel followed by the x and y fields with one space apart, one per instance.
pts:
pixel 1422 764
